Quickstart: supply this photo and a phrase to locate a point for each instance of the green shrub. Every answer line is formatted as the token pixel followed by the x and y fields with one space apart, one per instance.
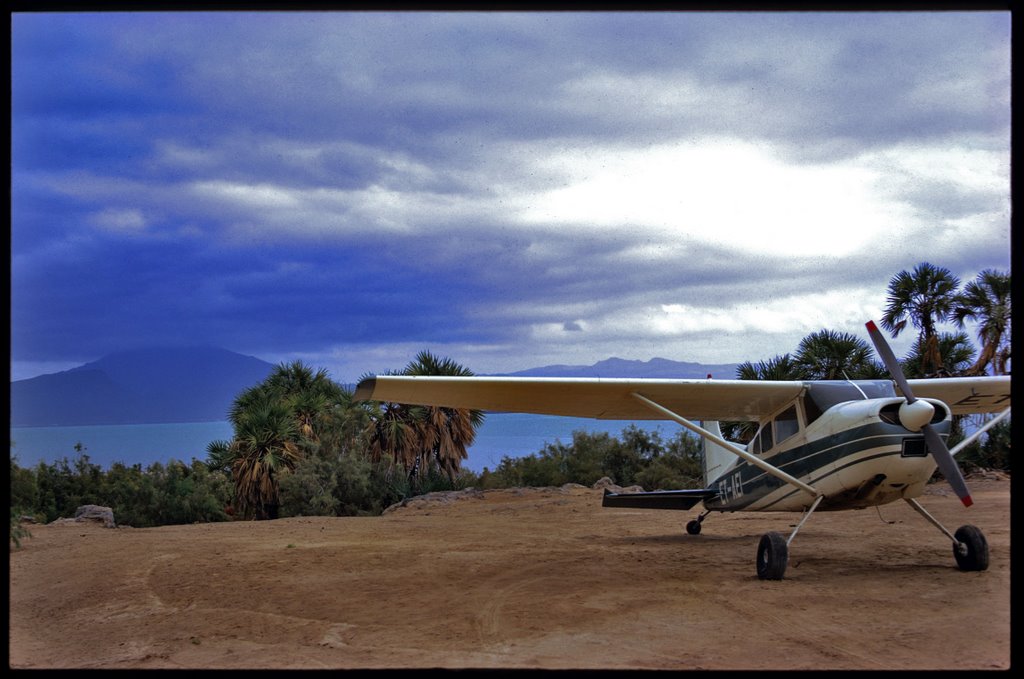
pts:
pixel 991 452
pixel 310 489
pixel 18 530
pixel 24 489
pixel 640 457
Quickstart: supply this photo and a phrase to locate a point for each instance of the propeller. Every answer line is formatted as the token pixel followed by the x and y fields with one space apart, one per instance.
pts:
pixel 916 415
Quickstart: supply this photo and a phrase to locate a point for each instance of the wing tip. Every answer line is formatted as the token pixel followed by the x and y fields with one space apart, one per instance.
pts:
pixel 365 388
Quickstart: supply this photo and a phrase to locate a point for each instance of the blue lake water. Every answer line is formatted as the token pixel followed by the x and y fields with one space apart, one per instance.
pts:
pixel 502 434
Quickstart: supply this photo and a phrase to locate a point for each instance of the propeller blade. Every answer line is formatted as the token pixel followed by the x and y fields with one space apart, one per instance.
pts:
pixel 947 465
pixel 890 361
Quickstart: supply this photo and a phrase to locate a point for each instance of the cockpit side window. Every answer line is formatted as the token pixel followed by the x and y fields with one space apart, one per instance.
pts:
pixel 783 426
pixel 765 438
pixel 812 409
pixel 786 424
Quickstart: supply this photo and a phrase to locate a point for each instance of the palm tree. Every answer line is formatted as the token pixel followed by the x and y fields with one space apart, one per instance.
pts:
pixel 250 398
pixel 392 434
pixel 309 409
pixel 955 350
pixel 782 367
pixel 924 298
pixel 445 433
pixel 418 437
pixel 343 422
pixel 276 423
pixel 310 395
pixel 263 448
pixel 831 355
pixel 291 378
pixel 986 301
pixel 220 456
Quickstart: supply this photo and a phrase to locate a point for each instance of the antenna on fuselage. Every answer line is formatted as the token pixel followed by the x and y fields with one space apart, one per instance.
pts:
pixel 855 386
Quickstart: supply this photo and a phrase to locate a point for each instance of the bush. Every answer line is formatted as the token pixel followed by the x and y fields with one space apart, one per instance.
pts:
pixel 640 458
pixel 24 489
pixel 332 481
pixel 991 452
pixel 160 495
pixel 309 490
pixel 131 494
pixel 64 487
pixel 18 529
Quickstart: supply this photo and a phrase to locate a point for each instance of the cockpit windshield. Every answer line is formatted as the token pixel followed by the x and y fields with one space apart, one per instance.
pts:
pixel 823 395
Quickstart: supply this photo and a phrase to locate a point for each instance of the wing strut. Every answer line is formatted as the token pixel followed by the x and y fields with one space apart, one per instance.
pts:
pixel 731 447
pixel 973 437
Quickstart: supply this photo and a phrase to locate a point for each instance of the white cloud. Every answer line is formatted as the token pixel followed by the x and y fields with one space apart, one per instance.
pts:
pixel 691 332
pixel 726 192
pixel 176 154
pixel 748 197
pixel 841 309
pixel 968 168
pixel 120 220
pixel 259 196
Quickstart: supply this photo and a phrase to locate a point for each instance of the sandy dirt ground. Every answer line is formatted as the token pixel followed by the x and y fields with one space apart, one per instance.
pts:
pixel 523 578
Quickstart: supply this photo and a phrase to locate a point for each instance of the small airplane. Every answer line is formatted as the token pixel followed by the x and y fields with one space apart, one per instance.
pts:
pixel 820 444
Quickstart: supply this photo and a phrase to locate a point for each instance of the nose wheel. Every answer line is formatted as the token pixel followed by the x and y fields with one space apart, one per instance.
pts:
pixel 970 548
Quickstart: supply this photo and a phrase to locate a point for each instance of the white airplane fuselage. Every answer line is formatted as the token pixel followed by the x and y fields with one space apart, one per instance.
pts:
pixel 856 455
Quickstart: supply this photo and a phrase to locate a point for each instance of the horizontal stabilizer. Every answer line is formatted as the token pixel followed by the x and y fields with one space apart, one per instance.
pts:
pixel 658 499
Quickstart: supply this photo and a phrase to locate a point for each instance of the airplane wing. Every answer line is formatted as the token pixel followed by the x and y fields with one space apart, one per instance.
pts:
pixel 599 398
pixel 966 395
pixel 610 398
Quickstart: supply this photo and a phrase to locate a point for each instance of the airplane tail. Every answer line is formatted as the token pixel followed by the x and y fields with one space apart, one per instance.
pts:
pixel 716 458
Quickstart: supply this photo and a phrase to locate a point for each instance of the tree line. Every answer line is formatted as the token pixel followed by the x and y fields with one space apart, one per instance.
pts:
pixel 302 446
pixel 923 299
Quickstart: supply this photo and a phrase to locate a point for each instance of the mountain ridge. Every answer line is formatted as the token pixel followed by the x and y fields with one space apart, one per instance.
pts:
pixel 199 383
pixel 140 386
pixel 657 368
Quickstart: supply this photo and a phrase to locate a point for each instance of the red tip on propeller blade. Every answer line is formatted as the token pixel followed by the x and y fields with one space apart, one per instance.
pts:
pixel 967 500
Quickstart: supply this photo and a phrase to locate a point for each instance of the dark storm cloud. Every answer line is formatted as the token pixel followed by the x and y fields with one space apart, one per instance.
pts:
pixel 295 182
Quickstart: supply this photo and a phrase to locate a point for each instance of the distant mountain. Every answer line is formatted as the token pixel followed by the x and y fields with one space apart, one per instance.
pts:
pixel 618 367
pixel 144 386
pixel 199 384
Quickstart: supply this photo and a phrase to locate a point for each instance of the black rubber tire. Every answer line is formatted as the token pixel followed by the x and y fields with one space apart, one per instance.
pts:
pixel 772 556
pixel 971 550
pixel 693 527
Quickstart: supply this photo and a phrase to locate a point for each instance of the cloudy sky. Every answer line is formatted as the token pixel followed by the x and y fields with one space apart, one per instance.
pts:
pixel 506 189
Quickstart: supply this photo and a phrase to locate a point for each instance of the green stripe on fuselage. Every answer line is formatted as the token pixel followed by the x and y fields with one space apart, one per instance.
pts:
pixel 802 462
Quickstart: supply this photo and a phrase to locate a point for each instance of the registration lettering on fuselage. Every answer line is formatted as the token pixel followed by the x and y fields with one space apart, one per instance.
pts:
pixel 730 488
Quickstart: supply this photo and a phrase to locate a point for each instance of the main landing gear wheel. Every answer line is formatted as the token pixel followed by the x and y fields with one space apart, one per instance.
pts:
pixel 772 556
pixel 693 527
pixel 971 549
